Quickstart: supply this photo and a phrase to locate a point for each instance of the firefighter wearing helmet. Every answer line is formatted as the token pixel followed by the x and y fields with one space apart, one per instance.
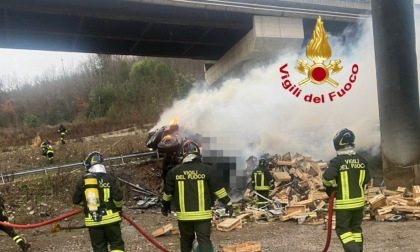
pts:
pixel 192 186
pixel 347 174
pixel 102 199
pixel 261 181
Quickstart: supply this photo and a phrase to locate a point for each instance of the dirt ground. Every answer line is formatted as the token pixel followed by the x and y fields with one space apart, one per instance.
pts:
pixel 39 198
pixel 274 236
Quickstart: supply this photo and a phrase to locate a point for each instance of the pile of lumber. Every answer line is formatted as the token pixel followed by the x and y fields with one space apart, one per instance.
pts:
pixel 385 204
pixel 298 186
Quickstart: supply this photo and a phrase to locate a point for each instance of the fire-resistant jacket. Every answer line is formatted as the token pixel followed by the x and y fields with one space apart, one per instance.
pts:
pixel 261 178
pixel 351 174
pixel 193 186
pixel 110 196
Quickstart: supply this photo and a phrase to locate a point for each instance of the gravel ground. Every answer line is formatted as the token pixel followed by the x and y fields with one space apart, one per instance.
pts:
pixel 274 236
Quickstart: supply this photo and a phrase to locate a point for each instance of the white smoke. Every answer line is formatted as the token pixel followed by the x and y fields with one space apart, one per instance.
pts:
pixel 256 115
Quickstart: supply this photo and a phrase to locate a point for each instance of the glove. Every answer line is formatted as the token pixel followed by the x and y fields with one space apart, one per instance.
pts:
pixel 166 207
pixel 119 210
pixel 229 209
pixel 165 211
pixel 330 189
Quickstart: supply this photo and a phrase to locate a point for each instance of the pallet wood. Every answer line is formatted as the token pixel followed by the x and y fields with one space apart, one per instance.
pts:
pixel 401 189
pixel 410 209
pixel 416 191
pixel 163 230
pixel 294 208
pixel 243 247
pixel 257 214
pixel 289 216
pixel 385 209
pixel 377 202
pixel 301 215
pixel 282 176
pixel 308 203
pixel 229 224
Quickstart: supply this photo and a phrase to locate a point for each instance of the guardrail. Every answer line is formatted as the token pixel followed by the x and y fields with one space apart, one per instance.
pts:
pixel 14 174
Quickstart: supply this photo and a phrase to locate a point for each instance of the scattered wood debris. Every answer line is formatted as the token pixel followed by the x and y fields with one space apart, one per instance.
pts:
pixel 243 247
pixel 163 230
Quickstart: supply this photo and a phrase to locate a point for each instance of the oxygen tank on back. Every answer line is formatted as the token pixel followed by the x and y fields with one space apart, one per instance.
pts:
pixel 92 195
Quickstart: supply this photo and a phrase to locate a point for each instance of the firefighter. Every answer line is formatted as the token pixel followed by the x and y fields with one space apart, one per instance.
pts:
pixel 261 181
pixel 47 150
pixel 24 246
pixel 193 187
pixel 347 174
pixel 102 198
pixel 62 131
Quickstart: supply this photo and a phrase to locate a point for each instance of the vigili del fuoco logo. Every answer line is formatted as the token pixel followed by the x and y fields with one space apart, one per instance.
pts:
pixel 317 72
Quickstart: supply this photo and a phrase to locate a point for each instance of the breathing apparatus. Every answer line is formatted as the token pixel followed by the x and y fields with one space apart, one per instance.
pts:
pixel 92 196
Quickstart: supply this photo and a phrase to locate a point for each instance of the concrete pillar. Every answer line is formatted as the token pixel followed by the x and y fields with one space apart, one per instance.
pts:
pixel 398 96
pixel 269 37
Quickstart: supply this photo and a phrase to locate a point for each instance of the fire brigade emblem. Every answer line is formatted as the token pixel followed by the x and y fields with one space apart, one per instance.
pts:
pixel 319 50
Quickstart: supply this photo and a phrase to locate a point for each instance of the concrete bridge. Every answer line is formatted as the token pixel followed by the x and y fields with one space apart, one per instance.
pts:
pixel 232 35
pixel 228 34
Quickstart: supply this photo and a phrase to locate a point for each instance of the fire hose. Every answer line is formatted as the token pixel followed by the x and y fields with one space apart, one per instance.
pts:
pixel 329 223
pixel 63 216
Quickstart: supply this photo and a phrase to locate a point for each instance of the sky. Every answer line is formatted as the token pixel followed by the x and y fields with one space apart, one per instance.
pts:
pixel 26 64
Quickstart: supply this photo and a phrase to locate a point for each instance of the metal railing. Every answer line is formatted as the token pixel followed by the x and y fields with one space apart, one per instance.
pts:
pixel 11 175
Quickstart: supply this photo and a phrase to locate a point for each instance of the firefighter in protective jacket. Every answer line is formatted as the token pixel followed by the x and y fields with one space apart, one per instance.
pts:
pixel 193 187
pixel 261 181
pixel 101 197
pixel 347 173
pixel 24 246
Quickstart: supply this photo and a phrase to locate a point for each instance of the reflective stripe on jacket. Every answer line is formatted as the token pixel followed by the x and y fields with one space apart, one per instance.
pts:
pixel 193 186
pixel 261 178
pixel 351 175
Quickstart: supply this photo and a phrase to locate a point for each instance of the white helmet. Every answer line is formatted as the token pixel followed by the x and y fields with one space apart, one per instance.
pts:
pixel 97 168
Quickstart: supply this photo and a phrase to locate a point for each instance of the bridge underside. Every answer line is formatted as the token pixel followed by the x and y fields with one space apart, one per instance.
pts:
pixel 120 27
pixel 202 30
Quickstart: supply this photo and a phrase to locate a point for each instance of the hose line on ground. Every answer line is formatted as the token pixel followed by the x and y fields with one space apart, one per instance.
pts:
pixel 157 245
pixel 63 216
pixel 329 223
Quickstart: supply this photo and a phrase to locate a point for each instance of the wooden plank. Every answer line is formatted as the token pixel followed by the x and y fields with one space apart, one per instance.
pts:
pixel 163 230
pixel 294 208
pixel 282 176
pixel 319 195
pixel 410 209
pixel 243 247
pixel 308 203
pixel 385 209
pixel 377 202
pixel 416 191
pixel 401 189
pixel 229 224
pixel 289 216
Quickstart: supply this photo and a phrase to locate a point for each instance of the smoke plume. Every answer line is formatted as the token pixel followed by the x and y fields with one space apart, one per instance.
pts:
pixel 254 114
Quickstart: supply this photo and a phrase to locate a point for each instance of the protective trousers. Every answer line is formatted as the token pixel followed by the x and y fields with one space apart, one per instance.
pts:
pixel 101 235
pixel 349 229
pixel 261 201
pixel 188 231
pixel 11 232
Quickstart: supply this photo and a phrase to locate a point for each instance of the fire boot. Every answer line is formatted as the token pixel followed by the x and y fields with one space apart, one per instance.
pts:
pixel 24 246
